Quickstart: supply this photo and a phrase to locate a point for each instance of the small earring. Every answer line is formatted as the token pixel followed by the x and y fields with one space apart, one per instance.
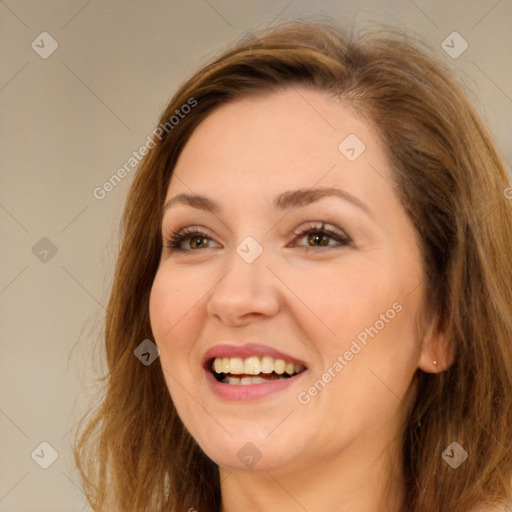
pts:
pixel 435 362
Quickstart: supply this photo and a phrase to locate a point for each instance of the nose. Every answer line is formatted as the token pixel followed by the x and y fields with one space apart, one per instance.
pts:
pixel 245 293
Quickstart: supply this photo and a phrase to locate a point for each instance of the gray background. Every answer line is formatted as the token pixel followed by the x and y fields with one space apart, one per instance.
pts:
pixel 69 121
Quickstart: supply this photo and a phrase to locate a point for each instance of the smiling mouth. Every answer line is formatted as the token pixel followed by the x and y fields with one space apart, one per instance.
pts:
pixel 253 370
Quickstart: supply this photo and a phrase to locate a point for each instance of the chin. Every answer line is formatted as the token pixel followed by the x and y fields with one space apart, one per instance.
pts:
pixel 251 448
pixel 248 456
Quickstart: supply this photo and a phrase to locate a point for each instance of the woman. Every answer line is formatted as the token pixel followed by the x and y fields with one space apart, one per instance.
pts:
pixel 319 245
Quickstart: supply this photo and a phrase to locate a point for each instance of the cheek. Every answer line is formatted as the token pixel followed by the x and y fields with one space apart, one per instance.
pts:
pixel 342 301
pixel 174 308
pixel 174 314
pixel 365 314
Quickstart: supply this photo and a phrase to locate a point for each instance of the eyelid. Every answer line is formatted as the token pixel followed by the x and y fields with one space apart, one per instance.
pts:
pixel 320 225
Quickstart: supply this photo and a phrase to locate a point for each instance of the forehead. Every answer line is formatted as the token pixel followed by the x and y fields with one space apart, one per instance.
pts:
pixel 265 143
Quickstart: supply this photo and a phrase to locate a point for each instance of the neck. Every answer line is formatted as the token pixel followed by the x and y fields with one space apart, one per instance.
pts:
pixel 359 479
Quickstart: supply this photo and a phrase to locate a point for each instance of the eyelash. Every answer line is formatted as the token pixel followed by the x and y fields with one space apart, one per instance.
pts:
pixel 175 238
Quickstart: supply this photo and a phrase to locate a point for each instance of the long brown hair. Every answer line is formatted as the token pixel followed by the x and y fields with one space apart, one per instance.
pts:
pixel 135 454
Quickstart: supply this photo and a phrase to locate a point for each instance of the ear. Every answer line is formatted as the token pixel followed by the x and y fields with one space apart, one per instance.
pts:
pixel 437 352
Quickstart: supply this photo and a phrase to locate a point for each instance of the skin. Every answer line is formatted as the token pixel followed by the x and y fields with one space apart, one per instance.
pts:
pixel 333 453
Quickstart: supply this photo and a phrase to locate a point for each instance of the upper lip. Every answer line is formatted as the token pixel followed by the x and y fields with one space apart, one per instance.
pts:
pixel 246 350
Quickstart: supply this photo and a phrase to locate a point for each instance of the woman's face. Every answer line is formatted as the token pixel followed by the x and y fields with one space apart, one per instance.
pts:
pixel 280 277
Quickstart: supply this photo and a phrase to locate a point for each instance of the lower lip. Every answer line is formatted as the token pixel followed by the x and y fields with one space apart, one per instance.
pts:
pixel 249 391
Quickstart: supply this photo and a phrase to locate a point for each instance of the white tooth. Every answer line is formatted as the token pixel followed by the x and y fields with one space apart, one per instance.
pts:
pixel 279 366
pixel 236 365
pixel 233 380
pixel 267 364
pixel 245 380
pixel 252 365
pixel 258 380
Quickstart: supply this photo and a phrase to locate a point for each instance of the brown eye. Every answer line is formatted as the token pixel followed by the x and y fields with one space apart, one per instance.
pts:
pixel 196 238
pixel 318 238
pixel 202 242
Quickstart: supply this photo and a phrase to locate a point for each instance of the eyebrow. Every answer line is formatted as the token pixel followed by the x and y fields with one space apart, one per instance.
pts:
pixel 285 201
